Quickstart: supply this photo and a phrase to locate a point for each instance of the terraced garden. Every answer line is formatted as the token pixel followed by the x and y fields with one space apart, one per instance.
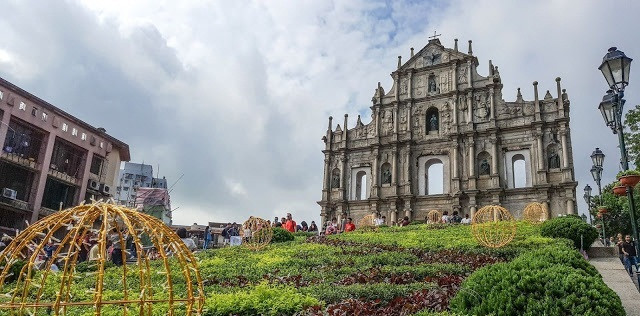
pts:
pixel 419 269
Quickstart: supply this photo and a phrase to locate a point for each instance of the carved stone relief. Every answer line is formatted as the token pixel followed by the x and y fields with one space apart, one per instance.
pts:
pixel 387 122
pixel 404 85
pixel 445 81
pixel 403 119
pixel 482 106
pixel 419 89
pixel 462 74
pixel 446 118
pixel 462 105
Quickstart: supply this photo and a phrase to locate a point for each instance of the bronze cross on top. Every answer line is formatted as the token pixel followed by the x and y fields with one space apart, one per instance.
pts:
pixel 435 36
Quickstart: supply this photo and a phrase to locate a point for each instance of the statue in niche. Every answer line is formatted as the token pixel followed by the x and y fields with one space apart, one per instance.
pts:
pixel 432 84
pixel 554 160
pixel 462 75
pixel 433 122
pixel 386 176
pixel 482 107
pixel 485 169
pixel 335 180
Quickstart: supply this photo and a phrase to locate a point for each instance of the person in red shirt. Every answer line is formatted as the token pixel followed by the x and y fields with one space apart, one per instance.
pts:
pixel 290 224
pixel 349 226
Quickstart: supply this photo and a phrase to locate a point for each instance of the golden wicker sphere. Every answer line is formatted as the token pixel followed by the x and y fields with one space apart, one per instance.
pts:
pixel 142 286
pixel 256 233
pixel 434 216
pixel 493 226
pixel 535 213
pixel 367 221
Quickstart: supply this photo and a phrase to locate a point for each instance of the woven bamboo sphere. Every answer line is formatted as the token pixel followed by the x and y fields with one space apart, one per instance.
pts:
pixel 535 213
pixel 493 226
pixel 434 216
pixel 162 279
pixel 367 221
pixel 256 233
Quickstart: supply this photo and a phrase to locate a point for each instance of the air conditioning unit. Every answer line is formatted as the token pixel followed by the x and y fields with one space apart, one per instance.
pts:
pixel 94 185
pixel 105 189
pixel 9 193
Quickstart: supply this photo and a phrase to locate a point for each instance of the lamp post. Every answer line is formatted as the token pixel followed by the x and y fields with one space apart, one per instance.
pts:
pixel 587 199
pixel 615 68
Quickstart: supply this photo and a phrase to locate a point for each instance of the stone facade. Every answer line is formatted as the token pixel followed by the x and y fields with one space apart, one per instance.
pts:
pixel 440 112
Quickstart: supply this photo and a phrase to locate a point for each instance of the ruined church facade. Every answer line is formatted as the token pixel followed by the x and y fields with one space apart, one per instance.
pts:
pixel 443 138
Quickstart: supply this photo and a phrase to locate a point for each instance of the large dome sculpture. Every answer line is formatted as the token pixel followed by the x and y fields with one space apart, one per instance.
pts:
pixel 159 274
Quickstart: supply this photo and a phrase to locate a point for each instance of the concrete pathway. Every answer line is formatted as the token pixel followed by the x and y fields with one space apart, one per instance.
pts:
pixel 617 278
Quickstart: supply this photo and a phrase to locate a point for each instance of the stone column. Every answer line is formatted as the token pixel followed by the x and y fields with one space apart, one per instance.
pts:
pixel 393 217
pixel 546 207
pixel 560 101
pixel 536 101
pixel 470 107
pixel 454 111
pixel 326 177
pixel 410 85
pixel 407 169
pixel 454 160
pixel 394 168
pixel 472 158
pixel 343 178
pixel 565 152
pixel 374 174
pixel 494 158
pixel 493 104
pixel 570 206
pixel 472 205
pixel 540 155
pixel 455 76
pixel 469 70
pixel 40 178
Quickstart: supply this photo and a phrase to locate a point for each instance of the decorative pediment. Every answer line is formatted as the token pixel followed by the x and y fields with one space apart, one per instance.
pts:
pixel 432 55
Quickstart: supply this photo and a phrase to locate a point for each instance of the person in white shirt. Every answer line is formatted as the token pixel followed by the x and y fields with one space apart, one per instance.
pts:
pixel 182 233
pixel 445 217
pixel 378 221
pixel 466 219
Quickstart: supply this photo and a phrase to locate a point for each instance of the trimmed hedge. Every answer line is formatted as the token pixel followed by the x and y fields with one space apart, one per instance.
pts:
pixel 281 235
pixel 571 228
pixel 538 283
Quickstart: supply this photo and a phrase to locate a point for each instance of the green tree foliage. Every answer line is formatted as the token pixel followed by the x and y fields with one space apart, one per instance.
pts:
pixel 617 219
pixel 632 137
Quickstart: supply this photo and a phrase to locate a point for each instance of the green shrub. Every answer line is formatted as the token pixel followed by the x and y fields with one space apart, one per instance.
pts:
pixel 261 300
pixel 627 173
pixel 548 256
pixel 281 235
pixel 304 234
pixel 508 289
pixel 91 266
pixel 570 228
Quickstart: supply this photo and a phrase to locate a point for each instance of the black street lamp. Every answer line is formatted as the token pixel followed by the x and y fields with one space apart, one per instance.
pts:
pixel 587 199
pixel 615 68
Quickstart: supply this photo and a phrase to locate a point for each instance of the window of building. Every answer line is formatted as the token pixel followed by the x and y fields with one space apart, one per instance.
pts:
pixel 44 117
pixel 96 165
pixel 125 188
pixel 34 111
pixel 58 194
pixel 22 106
pixel 101 144
pixel 83 136
pixel 126 181
pixel 23 141
pixel 74 132
pixel 17 179
pixel 361 185
pixel 1 95
pixel 435 177
pixel 67 158
pixel 519 171
pixel 65 127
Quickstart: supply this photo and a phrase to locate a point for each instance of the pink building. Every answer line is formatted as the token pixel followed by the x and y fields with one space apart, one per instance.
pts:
pixel 50 159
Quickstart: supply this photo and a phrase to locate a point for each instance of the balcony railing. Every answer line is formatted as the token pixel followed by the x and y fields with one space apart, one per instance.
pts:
pixel 63 177
pixel 17 159
pixel 44 211
pixel 21 205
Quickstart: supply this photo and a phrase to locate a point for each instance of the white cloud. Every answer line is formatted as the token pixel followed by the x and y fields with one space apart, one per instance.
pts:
pixel 242 90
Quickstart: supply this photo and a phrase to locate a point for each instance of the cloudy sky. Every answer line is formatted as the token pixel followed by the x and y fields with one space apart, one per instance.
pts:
pixel 235 95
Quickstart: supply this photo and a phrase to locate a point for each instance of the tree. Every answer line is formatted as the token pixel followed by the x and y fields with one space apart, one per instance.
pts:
pixel 632 137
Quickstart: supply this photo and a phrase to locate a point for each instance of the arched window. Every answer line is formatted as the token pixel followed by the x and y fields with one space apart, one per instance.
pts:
pixel 519 171
pixel 361 185
pixel 335 178
pixel 433 120
pixel 484 164
pixel 385 173
pixel 434 177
